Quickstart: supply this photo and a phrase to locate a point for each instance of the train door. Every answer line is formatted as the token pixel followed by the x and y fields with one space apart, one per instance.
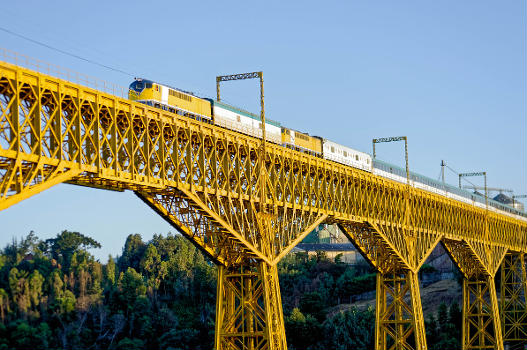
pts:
pixel 164 95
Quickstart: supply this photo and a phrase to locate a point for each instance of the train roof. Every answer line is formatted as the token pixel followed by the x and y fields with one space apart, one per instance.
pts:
pixel 165 85
pixel 338 144
pixel 448 187
pixel 243 112
pixel 302 132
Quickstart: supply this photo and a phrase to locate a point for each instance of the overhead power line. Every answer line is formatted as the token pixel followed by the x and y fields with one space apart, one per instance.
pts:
pixel 464 178
pixel 65 52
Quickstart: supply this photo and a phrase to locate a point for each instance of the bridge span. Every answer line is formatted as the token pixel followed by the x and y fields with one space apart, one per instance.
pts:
pixel 206 181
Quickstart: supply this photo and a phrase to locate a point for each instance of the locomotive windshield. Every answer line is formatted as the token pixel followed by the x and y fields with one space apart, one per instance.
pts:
pixel 139 85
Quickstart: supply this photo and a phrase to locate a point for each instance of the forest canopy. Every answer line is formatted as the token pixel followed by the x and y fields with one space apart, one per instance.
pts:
pixel 161 294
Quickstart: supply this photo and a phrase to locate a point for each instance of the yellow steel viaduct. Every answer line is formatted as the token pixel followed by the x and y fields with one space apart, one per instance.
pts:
pixel 205 181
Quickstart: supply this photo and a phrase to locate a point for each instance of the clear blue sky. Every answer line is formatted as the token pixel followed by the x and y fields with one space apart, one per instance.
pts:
pixel 448 74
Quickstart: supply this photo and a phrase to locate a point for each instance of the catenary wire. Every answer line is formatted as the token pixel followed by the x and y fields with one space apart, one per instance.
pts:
pixel 65 52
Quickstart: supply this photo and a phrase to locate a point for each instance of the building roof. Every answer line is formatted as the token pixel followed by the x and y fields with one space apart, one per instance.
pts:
pixel 328 247
pixel 503 199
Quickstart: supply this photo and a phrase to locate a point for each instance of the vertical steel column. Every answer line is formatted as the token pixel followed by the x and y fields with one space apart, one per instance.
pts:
pixel 513 303
pixel 498 335
pixel 249 312
pixel 399 325
pixel 419 321
pixel 220 310
pixel 273 304
pixel 481 325
pixel 380 302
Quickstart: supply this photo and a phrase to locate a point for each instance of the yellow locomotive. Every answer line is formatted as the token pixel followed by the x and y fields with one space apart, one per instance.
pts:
pixel 169 99
pixel 301 141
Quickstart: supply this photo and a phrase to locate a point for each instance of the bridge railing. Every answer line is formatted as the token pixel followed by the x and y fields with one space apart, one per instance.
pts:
pixel 44 67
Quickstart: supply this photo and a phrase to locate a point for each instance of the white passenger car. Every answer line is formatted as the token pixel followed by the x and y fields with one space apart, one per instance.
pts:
pixel 237 119
pixel 345 155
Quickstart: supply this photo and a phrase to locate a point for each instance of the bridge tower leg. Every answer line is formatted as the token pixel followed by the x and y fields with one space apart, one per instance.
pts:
pixel 249 312
pixel 481 323
pixel 481 318
pixel 513 293
pixel 399 323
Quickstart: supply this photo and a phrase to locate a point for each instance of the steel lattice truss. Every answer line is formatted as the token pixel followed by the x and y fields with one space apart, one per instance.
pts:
pixel 204 180
pixel 513 292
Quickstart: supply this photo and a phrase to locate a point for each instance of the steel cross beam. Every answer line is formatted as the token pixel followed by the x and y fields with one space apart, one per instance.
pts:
pixel 240 76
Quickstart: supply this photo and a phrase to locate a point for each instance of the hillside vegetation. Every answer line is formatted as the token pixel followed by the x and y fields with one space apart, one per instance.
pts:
pixel 161 294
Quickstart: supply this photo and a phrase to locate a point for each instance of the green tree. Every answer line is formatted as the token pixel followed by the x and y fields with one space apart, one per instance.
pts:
pixel 455 316
pixel 110 271
pixel 66 304
pixel 96 279
pixel 442 315
pixel 131 287
pixel 43 335
pixel 312 303
pixel 302 331
pixel 19 286
pixel 349 284
pixel 455 320
pixel 66 244
pixel 181 339
pixel 353 330
pixel 36 280
pixel 4 304
pixel 24 337
pixel 432 334
pixel 132 252
pixel 4 337
pixel 130 344
pixel 154 269
pixel 57 285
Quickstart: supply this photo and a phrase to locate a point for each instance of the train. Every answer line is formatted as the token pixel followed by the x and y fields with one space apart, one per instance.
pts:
pixel 234 118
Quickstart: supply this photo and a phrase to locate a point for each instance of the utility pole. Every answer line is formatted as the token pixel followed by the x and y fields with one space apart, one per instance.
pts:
pixel 518 196
pixel 243 76
pixel 392 139
pixel 443 165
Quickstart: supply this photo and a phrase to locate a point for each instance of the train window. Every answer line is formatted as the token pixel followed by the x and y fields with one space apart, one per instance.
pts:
pixel 332 149
pixel 179 95
pixel 148 85
pixel 345 154
pixel 238 119
pixel 302 136
pixel 139 86
pixel 356 157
